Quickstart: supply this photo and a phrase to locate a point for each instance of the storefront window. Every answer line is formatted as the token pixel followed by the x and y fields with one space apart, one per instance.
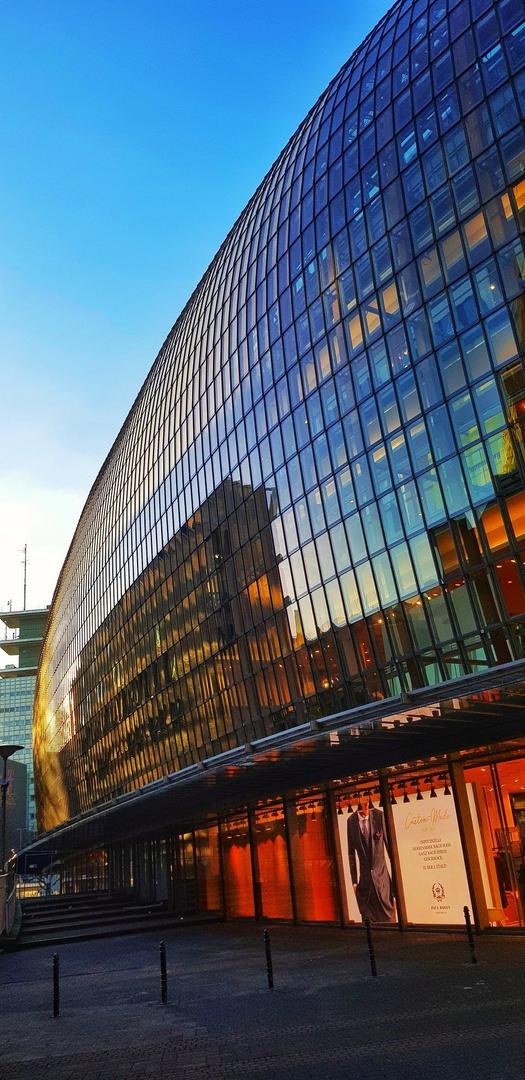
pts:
pixel 497 797
pixel 183 873
pixel 312 862
pixel 272 861
pixel 208 869
pixel 237 868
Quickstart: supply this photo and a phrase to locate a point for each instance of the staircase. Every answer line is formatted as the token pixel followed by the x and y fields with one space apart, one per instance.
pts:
pixel 55 920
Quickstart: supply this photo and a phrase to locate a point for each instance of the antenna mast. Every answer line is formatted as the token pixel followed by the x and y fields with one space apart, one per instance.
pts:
pixel 24 563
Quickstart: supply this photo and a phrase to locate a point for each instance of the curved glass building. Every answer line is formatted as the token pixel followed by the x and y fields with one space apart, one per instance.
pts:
pixel 299 575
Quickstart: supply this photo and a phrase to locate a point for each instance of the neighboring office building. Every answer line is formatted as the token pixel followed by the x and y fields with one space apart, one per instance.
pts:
pixel 16 805
pixel 298 580
pixel 24 631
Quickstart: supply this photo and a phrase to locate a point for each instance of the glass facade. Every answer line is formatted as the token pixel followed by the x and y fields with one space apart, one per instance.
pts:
pixel 318 499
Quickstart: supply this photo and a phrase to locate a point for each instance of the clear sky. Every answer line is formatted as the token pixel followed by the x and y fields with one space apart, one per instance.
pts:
pixel 132 135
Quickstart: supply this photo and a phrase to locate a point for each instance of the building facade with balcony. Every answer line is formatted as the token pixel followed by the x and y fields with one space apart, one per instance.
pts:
pixel 23 634
pixel 298 584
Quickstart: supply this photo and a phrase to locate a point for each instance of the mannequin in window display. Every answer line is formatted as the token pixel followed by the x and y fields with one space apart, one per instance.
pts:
pixel 372 885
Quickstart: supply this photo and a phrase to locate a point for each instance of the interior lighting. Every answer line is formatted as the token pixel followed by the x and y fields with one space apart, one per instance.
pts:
pixel 393 800
pixel 406 797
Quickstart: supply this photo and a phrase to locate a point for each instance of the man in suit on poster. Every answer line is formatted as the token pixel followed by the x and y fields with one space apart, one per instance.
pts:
pixel 373 887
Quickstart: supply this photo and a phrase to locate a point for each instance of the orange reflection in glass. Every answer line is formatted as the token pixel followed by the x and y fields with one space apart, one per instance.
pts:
pixel 312 865
pixel 272 858
pixel 237 869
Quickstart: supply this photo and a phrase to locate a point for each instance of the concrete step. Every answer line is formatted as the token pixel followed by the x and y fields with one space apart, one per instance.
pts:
pixel 73 900
pixel 60 936
pixel 72 921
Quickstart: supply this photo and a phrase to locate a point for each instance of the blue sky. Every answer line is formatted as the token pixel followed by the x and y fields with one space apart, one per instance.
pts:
pixel 132 136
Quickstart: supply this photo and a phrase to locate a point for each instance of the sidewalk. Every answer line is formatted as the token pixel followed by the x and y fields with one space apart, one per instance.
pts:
pixel 430 1012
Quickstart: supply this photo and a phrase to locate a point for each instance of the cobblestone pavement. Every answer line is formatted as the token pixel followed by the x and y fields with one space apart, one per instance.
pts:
pixel 430 1012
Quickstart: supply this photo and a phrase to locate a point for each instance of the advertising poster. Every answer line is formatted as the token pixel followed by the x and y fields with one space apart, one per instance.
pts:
pixel 431 858
pixel 366 864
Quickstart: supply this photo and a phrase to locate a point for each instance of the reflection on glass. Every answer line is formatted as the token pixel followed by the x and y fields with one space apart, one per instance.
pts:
pixel 272 863
pixel 237 868
pixel 312 863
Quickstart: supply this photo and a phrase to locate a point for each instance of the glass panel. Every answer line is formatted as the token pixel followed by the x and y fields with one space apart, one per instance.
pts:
pixel 312 863
pixel 516 510
pixel 453 257
pixel 209 896
pixel 272 861
pixel 511 586
pixel 475 352
pixel 476 239
pixel 237 868
pixel 494 528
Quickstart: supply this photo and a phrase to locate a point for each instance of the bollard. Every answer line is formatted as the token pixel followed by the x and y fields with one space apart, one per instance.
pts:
pixel 56 986
pixel 163 974
pixel 470 936
pixel 371 952
pixel 269 965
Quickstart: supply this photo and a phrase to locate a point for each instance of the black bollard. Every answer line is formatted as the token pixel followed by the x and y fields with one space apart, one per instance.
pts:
pixel 371 952
pixel 470 936
pixel 56 986
pixel 163 974
pixel 269 965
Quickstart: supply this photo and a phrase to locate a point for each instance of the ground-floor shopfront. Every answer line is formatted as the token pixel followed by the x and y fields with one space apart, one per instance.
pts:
pixel 404 845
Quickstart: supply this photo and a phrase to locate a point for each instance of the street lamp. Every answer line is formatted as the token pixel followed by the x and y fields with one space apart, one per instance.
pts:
pixel 5 753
